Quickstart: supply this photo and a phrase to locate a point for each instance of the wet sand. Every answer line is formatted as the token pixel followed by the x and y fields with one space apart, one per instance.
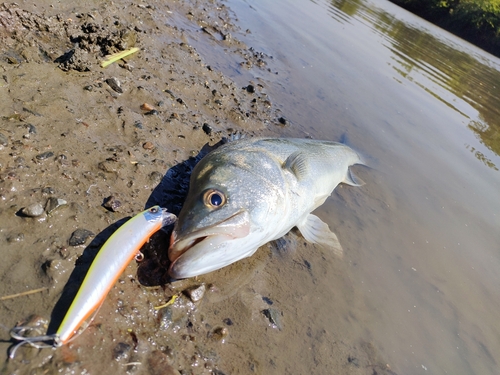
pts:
pixel 69 132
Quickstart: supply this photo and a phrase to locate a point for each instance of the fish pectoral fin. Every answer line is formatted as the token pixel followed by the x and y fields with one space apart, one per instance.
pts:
pixel 297 163
pixel 316 231
pixel 351 179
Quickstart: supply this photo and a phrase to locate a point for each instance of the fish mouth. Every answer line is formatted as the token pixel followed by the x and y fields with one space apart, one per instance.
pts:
pixel 208 249
pixel 236 226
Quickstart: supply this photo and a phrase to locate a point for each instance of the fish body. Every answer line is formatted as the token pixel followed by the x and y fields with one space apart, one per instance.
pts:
pixel 251 191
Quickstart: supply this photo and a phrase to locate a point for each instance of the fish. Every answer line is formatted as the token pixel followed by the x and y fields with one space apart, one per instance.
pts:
pixel 252 191
pixel 111 260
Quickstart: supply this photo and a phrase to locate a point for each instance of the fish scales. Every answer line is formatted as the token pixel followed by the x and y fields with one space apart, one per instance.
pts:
pixel 252 191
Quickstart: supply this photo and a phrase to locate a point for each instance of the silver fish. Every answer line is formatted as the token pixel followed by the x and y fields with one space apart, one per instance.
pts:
pixel 252 191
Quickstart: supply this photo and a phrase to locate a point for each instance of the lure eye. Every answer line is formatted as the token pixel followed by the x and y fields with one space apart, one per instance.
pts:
pixel 153 210
pixel 214 198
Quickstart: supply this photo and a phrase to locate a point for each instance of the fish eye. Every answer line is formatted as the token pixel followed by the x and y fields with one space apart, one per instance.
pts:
pixel 153 210
pixel 214 198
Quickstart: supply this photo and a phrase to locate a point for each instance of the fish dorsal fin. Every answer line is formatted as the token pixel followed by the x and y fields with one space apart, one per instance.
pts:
pixel 351 179
pixel 316 231
pixel 297 163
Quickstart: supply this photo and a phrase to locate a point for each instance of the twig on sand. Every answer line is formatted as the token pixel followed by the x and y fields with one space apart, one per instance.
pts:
pixel 170 302
pixel 22 294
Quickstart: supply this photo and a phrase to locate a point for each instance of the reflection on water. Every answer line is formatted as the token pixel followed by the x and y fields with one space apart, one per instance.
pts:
pixel 489 134
pixel 466 83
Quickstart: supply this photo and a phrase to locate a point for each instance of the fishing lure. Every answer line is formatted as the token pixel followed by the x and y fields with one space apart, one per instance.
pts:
pixel 108 265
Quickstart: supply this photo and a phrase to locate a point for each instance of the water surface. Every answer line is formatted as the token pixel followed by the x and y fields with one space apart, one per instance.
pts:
pixel 419 280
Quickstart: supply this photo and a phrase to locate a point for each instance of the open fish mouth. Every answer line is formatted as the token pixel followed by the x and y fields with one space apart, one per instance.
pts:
pixel 236 226
pixel 205 255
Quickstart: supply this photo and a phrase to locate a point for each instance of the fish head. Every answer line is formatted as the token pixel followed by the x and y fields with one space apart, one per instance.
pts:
pixel 219 222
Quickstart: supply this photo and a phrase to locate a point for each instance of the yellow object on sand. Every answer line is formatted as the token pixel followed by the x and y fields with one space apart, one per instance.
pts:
pixel 170 302
pixel 118 56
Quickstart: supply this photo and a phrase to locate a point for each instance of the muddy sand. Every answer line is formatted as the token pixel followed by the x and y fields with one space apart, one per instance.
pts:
pixel 82 148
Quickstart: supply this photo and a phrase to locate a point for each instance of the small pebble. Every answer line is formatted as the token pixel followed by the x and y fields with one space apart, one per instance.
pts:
pixel 33 210
pixel 31 128
pixel 274 317
pixel 267 300
pixel 148 145
pixel 17 237
pixel 121 351
pixel 80 236
pixel 111 203
pixel 207 128
pixel 353 360
pixel 250 89
pixel 228 322
pixel 280 246
pixel 196 293
pixel 171 93
pixel 48 190
pixel 53 204
pixel 147 107
pixel 114 84
pixel 153 112
pixel 108 166
pixel 3 140
pixel 12 60
pixel 155 177
pixel 34 322
pixel 283 121
pixel 20 162
pixel 44 155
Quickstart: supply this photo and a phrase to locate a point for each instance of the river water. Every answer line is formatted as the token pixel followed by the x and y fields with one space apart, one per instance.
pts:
pixel 420 278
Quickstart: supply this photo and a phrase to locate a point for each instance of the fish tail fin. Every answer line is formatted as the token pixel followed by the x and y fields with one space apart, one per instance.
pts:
pixel 316 231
